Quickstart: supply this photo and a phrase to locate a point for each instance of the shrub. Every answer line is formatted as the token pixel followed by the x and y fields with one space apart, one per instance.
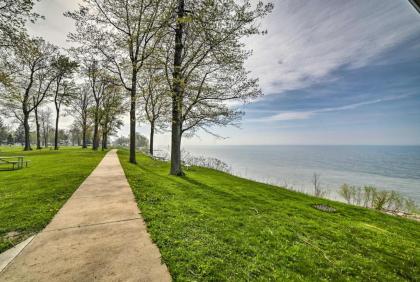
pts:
pixel 369 196
pixel 318 190
pixel 213 163
pixel 345 192
pixel 358 195
pixel 410 206
pixel 381 199
pixel 395 201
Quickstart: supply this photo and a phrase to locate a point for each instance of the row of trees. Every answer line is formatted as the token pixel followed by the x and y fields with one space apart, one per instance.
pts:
pixel 184 57
pixel 180 64
pixel 35 73
pixel 10 136
pixel 39 74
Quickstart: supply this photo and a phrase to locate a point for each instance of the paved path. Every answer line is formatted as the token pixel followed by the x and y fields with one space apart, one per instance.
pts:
pixel 98 235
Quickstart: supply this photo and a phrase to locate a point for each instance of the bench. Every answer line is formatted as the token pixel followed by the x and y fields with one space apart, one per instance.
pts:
pixel 16 162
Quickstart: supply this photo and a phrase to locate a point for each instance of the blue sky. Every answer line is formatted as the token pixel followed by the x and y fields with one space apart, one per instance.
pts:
pixel 332 71
pixel 335 72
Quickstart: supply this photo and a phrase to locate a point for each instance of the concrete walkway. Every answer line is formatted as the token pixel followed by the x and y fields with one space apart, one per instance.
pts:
pixel 98 235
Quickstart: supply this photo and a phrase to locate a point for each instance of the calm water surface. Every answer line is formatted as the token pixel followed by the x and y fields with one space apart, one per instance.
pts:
pixel 386 167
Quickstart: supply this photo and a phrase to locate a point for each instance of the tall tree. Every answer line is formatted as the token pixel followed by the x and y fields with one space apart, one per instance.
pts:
pixel 79 109
pixel 155 104
pixel 112 108
pixel 64 88
pixel 208 52
pixel 38 98
pixel 99 81
pixel 24 92
pixel 45 117
pixel 125 34
pixel 37 126
pixel 177 91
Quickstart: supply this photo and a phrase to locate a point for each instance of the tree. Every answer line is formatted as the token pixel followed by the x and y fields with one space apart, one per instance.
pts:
pixel 45 117
pixel 4 132
pixel 75 134
pixel 13 16
pixel 141 140
pixel 30 82
pixel 177 91
pixel 20 134
pixel 99 81
pixel 7 68
pixel 38 98
pixel 122 141
pixel 125 34
pixel 111 110
pixel 207 67
pixel 37 125
pixel 156 102
pixel 64 88
pixel 79 109
pixel 10 140
pixel 63 136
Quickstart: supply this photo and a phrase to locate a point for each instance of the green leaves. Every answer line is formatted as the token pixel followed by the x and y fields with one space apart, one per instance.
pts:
pixel 185 19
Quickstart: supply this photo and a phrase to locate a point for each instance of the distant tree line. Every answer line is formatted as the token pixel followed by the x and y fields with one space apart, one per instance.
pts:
pixel 37 76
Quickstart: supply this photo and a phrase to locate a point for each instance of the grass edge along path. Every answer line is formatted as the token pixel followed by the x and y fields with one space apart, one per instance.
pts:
pixel 213 226
pixel 30 197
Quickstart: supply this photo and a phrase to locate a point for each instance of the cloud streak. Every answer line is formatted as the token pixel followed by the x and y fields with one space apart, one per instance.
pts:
pixel 309 41
pixel 303 115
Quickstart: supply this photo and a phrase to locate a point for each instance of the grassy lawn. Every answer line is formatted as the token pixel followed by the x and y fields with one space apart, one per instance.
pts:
pixel 215 227
pixel 30 197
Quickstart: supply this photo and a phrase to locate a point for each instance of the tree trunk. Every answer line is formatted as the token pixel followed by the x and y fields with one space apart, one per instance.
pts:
pixel 84 129
pixel 152 134
pixel 38 130
pixel 95 144
pixel 133 117
pixel 45 133
pixel 27 131
pixel 56 130
pixel 176 168
pixel 104 140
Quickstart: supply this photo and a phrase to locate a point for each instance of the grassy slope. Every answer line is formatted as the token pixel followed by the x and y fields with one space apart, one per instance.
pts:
pixel 30 197
pixel 213 226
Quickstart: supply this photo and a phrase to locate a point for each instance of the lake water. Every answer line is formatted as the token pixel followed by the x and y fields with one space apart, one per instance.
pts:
pixel 386 167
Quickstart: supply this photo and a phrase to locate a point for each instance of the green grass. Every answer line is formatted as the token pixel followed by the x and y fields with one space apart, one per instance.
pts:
pixel 30 197
pixel 211 226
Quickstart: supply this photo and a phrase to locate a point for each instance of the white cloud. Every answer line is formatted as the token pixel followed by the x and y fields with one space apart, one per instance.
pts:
pixel 291 116
pixel 308 41
pixel 302 115
pixel 55 27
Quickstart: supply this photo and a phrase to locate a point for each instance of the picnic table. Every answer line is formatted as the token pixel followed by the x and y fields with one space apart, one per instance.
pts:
pixel 16 162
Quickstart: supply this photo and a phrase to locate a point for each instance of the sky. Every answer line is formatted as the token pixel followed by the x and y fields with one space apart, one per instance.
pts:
pixel 332 72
